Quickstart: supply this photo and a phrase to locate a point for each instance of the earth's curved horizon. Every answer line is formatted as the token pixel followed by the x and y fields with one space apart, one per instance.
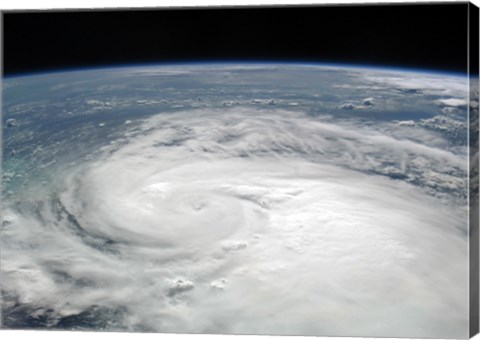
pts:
pixel 233 63
pixel 237 198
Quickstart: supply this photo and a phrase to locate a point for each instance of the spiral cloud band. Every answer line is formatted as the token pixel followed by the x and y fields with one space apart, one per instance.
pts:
pixel 249 219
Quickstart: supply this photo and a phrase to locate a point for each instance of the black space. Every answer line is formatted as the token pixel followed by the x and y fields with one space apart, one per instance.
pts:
pixel 432 36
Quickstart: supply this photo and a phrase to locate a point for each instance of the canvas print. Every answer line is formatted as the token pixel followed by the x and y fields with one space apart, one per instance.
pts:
pixel 280 170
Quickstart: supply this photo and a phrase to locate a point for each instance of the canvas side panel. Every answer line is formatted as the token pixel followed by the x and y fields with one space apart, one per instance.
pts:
pixel 1 156
pixel 474 167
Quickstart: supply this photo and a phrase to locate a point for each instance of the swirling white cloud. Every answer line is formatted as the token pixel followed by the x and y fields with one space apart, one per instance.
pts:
pixel 242 220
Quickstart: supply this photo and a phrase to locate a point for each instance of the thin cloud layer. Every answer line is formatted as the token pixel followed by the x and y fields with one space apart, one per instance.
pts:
pixel 428 84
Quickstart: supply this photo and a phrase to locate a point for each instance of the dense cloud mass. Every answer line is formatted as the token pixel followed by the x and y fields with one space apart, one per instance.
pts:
pixel 251 218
